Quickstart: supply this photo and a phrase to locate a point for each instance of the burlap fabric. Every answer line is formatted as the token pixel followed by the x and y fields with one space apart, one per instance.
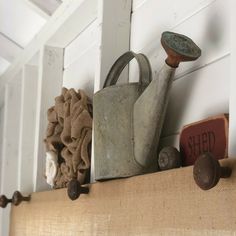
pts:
pixel 69 134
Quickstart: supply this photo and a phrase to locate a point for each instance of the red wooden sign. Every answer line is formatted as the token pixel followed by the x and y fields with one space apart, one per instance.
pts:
pixel 209 135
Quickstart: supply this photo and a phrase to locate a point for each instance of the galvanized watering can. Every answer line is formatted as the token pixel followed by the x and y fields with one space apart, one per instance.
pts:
pixel 128 118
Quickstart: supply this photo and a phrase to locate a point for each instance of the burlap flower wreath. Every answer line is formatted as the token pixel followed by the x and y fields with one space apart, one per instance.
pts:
pixel 68 138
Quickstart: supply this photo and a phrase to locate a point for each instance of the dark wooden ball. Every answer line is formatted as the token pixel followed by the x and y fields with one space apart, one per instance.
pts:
pixel 74 189
pixel 17 198
pixel 169 158
pixel 206 171
pixel 4 201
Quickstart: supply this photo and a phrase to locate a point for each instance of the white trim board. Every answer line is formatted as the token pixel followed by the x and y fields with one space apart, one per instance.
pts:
pixel 10 159
pixel 114 22
pixel 232 94
pixel 27 128
pixel 49 86
pixel 73 15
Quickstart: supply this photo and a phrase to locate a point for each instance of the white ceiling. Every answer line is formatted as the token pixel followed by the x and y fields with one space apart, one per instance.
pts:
pixel 20 21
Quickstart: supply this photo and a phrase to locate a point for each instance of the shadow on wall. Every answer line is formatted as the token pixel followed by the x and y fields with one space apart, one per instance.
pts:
pixel 210 42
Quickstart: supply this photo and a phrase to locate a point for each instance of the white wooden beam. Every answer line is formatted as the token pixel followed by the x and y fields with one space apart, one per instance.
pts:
pixel 114 21
pixel 81 13
pixel 11 135
pixel 49 86
pixel 42 12
pixel 10 145
pixel 232 95
pixel 4 64
pixel 1 139
pixel 3 212
pixel 9 49
pixel 48 6
pixel 79 20
pixel 27 128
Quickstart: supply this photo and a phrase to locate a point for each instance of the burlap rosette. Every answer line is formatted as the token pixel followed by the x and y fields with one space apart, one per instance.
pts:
pixel 68 138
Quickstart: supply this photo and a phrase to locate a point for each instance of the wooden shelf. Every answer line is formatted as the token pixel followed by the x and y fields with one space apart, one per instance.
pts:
pixel 164 203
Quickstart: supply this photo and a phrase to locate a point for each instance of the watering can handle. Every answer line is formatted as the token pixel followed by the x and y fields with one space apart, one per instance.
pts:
pixel 145 72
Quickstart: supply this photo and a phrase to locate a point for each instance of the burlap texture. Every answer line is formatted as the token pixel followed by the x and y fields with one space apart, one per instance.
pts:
pixel 69 134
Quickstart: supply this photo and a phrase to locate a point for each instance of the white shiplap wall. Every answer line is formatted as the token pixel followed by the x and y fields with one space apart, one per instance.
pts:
pixel 80 59
pixel 24 106
pixel 10 149
pixel 27 128
pixel 98 35
pixel 201 88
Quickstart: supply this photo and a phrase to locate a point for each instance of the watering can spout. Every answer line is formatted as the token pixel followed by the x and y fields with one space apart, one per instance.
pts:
pixel 150 108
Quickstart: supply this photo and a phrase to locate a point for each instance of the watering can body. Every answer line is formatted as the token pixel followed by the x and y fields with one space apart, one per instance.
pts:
pixel 128 120
pixel 114 154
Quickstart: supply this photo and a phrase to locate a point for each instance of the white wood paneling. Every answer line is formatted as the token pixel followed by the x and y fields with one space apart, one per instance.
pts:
pixel 27 129
pixel 49 86
pixel 9 49
pixel 19 23
pixel 48 7
pixel 1 156
pixel 158 16
pixel 198 95
pixel 181 7
pixel 34 61
pixel 4 64
pixel 43 13
pixel 66 23
pixel 1 140
pixel 232 98
pixel 81 74
pixel 10 150
pixel 11 136
pixel 84 41
pixel 114 22
pixel 79 19
pixel 136 4
pixel 4 213
pixel 211 33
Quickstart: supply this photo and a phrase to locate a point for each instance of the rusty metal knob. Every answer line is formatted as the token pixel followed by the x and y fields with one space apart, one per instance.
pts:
pixel 17 198
pixel 207 171
pixel 4 201
pixel 169 158
pixel 74 189
pixel 179 48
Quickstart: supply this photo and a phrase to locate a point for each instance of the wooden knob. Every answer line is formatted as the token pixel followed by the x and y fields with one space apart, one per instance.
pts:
pixel 207 171
pixel 4 201
pixel 74 189
pixel 17 198
pixel 169 158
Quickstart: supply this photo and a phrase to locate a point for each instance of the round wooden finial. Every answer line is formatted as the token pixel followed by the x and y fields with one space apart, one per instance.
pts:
pixel 207 171
pixel 74 189
pixel 17 198
pixel 4 201
pixel 169 158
